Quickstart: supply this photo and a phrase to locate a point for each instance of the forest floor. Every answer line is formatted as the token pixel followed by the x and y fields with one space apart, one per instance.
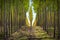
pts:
pixel 33 33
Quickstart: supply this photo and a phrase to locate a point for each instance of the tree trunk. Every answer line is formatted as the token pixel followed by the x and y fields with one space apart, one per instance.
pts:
pixel 58 3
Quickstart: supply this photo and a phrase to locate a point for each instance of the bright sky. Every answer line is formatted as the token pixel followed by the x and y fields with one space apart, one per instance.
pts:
pixel 33 12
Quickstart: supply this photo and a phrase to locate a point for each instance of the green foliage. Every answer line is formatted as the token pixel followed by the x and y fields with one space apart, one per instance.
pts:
pixel 36 4
pixel 30 14
pixel 26 4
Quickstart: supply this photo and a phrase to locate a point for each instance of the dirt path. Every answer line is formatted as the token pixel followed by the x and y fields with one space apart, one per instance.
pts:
pixel 25 33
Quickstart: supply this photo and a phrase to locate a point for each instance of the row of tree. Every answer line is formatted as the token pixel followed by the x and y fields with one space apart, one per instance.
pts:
pixel 12 15
pixel 48 15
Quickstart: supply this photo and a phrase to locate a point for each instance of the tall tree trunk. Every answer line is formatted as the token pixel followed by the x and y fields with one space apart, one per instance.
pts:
pixel 58 3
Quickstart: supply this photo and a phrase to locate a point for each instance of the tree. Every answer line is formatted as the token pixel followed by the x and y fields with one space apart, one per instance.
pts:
pixel 58 3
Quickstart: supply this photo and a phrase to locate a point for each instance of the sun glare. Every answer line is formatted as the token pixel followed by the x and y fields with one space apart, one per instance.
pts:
pixel 33 13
